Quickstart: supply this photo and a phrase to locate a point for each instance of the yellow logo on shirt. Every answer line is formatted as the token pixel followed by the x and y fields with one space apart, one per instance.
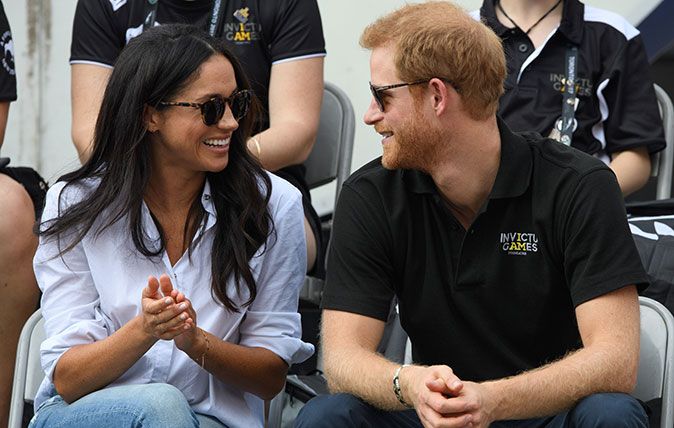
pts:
pixel 519 243
pixel 242 31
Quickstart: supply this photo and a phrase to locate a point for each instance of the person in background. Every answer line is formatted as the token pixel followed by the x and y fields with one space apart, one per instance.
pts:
pixel 22 193
pixel 509 254
pixel 170 262
pixel 280 45
pixel 611 112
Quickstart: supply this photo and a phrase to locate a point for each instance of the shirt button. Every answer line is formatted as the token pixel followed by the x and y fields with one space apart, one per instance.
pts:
pixel 472 231
pixel 523 47
pixel 207 197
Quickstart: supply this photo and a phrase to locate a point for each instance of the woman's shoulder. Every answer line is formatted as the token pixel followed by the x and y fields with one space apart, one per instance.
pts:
pixel 283 194
pixel 67 193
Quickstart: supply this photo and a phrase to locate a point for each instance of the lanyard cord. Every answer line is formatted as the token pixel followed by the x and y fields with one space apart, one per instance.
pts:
pixel 213 22
pixel 498 4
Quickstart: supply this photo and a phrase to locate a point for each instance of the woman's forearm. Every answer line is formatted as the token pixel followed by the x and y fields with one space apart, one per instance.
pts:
pixel 255 370
pixel 87 368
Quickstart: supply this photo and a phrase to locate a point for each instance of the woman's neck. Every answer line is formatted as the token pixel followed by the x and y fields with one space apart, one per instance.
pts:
pixel 173 193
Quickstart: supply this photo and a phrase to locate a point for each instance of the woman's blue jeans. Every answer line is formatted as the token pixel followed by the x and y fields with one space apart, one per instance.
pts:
pixel 148 406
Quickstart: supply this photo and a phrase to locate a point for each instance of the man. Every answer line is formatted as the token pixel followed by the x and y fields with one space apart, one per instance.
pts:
pixel 509 254
pixel 616 114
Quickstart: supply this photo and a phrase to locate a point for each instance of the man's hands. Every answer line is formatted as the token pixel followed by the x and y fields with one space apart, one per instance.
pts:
pixel 441 399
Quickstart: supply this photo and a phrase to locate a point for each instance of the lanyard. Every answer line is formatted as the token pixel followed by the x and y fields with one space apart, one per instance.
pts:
pixel 213 22
pixel 569 99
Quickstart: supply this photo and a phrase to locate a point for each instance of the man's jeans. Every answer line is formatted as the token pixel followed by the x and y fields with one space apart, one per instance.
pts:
pixel 148 406
pixel 598 410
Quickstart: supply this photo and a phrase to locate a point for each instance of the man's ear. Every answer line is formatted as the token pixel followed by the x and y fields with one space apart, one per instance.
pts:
pixel 441 95
pixel 151 118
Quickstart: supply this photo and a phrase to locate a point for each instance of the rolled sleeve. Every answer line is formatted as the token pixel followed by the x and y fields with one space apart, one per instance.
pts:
pixel 272 320
pixel 70 301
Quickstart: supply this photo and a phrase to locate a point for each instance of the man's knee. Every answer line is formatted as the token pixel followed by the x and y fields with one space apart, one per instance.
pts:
pixel 609 410
pixel 17 217
pixel 334 410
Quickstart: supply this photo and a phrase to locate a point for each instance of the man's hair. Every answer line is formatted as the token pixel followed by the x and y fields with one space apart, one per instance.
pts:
pixel 439 39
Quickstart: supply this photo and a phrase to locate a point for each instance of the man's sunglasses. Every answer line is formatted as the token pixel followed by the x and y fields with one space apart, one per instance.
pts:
pixel 378 90
pixel 213 109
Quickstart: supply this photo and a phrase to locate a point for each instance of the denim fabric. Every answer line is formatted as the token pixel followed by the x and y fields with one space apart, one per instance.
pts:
pixel 595 411
pixel 148 406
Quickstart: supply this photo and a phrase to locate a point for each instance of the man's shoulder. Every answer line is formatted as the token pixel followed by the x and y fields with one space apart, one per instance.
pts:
pixel 555 157
pixel 374 176
pixel 606 21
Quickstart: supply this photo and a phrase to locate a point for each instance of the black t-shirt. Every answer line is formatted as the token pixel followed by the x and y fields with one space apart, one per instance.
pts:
pixel 7 70
pixel 259 32
pixel 617 108
pixel 499 298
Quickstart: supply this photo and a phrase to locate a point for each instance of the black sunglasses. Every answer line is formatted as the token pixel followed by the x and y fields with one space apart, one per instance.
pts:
pixel 213 109
pixel 377 90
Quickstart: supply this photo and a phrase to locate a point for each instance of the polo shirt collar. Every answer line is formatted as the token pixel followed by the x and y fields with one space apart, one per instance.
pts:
pixel 571 25
pixel 514 170
pixel 513 176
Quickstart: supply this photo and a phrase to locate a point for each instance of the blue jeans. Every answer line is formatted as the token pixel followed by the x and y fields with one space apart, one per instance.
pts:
pixel 598 410
pixel 152 405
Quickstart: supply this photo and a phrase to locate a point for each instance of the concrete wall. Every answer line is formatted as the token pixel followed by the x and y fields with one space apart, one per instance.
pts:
pixel 38 133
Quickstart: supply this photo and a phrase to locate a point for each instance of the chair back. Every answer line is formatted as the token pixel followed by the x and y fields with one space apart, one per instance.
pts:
pixel 662 162
pixel 655 378
pixel 28 372
pixel 330 159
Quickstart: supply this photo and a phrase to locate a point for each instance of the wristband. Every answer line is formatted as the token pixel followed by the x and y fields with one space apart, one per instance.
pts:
pixel 396 386
pixel 203 355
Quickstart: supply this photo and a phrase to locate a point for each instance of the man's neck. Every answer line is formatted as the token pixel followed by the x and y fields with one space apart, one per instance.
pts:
pixel 466 173
pixel 526 14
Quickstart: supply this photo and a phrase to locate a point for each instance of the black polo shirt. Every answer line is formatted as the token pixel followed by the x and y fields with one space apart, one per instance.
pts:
pixel 499 298
pixel 7 70
pixel 617 108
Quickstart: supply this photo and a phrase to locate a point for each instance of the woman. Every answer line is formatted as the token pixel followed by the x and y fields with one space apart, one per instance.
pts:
pixel 172 193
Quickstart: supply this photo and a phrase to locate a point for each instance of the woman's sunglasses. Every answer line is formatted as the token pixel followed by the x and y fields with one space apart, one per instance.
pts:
pixel 213 109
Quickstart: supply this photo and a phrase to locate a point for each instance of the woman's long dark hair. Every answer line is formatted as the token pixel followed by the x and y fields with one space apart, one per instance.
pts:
pixel 152 68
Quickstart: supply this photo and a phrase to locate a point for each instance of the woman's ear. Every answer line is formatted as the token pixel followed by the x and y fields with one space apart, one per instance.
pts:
pixel 151 118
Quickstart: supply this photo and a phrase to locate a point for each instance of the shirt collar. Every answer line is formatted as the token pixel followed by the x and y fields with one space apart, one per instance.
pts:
pixel 513 176
pixel 150 229
pixel 571 25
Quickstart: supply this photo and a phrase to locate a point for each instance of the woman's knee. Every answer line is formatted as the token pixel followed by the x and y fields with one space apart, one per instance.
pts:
pixel 609 410
pixel 147 406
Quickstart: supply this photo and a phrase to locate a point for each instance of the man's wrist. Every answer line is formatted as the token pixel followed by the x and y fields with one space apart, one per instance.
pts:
pixel 397 389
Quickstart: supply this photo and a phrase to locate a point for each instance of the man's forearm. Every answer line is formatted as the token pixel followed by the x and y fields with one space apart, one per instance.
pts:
pixel 364 374
pixel 558 386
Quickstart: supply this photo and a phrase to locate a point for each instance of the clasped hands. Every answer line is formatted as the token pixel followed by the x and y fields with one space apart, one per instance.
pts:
pixel 167 314
pixel 441 399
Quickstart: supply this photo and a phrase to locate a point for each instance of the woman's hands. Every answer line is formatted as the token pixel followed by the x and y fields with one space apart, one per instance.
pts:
pixel 163 315
pixel 167 314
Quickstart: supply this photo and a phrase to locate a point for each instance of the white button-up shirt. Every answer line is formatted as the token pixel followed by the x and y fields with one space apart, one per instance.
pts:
pixel 94 289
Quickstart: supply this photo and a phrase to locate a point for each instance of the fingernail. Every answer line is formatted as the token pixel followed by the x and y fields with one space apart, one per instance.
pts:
pixel 456 384
pixel 168 300
pixel 183 316
pixel 182 306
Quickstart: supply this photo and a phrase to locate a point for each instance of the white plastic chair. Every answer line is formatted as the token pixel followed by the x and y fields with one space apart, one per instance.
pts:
pixel 663 161
pixel 330 158
pixel 655 378
pixel 28 373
